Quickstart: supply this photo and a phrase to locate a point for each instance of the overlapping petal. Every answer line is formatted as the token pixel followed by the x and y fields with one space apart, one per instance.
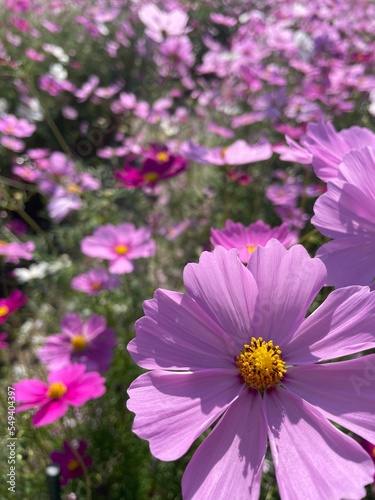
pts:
pixel 177 334
pixel 333 387
pixel 288 281
pixel 228 464
pixel 342 325
pixel 172 409
pixel 225 290
pixel 299 437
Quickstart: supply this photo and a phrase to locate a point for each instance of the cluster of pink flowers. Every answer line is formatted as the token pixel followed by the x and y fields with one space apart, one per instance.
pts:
pixel 56 177
pixel 12 129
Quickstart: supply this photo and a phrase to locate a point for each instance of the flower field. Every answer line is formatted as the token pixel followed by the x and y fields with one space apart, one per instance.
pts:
pixel 187 241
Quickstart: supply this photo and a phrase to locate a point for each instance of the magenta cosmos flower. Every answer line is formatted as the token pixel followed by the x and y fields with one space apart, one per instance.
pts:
pixel 238 346
pixel 95 281
pixel 70 466
pixel 14 251
pixel 90 344
pixel 120 245
pixel 10 304
pixel 247 239
pixel 68 386
pixel 346 213
pixel 158 165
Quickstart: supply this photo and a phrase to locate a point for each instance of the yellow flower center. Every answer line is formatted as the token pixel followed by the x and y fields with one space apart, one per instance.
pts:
pixel 121 249
pixel 3 243
pixel 4 310
pixel 223 152
pixel 56 390
pixel 9 129
pixel 251 248
pixel 73 464
pixel 96 285
pixel 162 156
pixel 260 364
pixel 78 342
pixel 373 452
pixel 74 189
pixel 151 176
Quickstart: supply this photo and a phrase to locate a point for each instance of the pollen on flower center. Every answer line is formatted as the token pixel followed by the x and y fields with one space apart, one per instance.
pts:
pixel 4 310
pixel 78 342
pixel 73 464
pixel 74 189
pixel 121 249
pixel 251 248
pixel 162 156
pixel 151 176
pixel 57 390
pixel 3 243
pixel 260 364
pixel 96 285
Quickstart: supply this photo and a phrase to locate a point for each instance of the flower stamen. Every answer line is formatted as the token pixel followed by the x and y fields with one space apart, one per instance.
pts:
pixel 56 390
pixel 78 342
pixel 260 364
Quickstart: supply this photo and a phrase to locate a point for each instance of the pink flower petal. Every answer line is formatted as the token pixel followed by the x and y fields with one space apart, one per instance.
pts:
pixel 352 254
pixel 228 463
pixel 288 281
pixel 89 386
pixel 225 290
pixel 30 391
pixel 334 386
pixel 342 325
pixel 173 409
pixel 177 334
pixel 121 265
pixel 303 443
pixel 50 412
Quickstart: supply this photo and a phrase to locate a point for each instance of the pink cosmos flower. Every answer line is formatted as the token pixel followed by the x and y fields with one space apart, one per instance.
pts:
pixel 10 304
pixel 159 24
pixel 12 143
pixel 120 245
pixel 90 344
pixel 95 281
pixel 68 386
pixel 70 467
pixel 11 125
pixel 14 251
pixel 346 214
pixel 247 239
pixel 159 164
pixel 238 347
pixel 237 153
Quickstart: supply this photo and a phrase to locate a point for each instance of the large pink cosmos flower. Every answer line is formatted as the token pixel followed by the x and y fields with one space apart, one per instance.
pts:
pixel 68 386
pixel 90 344
pixel 70 467
pixel 119 244
pixel 10 304
pixel 346 213
pixel 238 346
pixel 247 239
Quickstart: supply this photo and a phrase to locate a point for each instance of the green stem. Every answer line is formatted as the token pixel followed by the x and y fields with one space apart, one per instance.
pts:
pixel 31 222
